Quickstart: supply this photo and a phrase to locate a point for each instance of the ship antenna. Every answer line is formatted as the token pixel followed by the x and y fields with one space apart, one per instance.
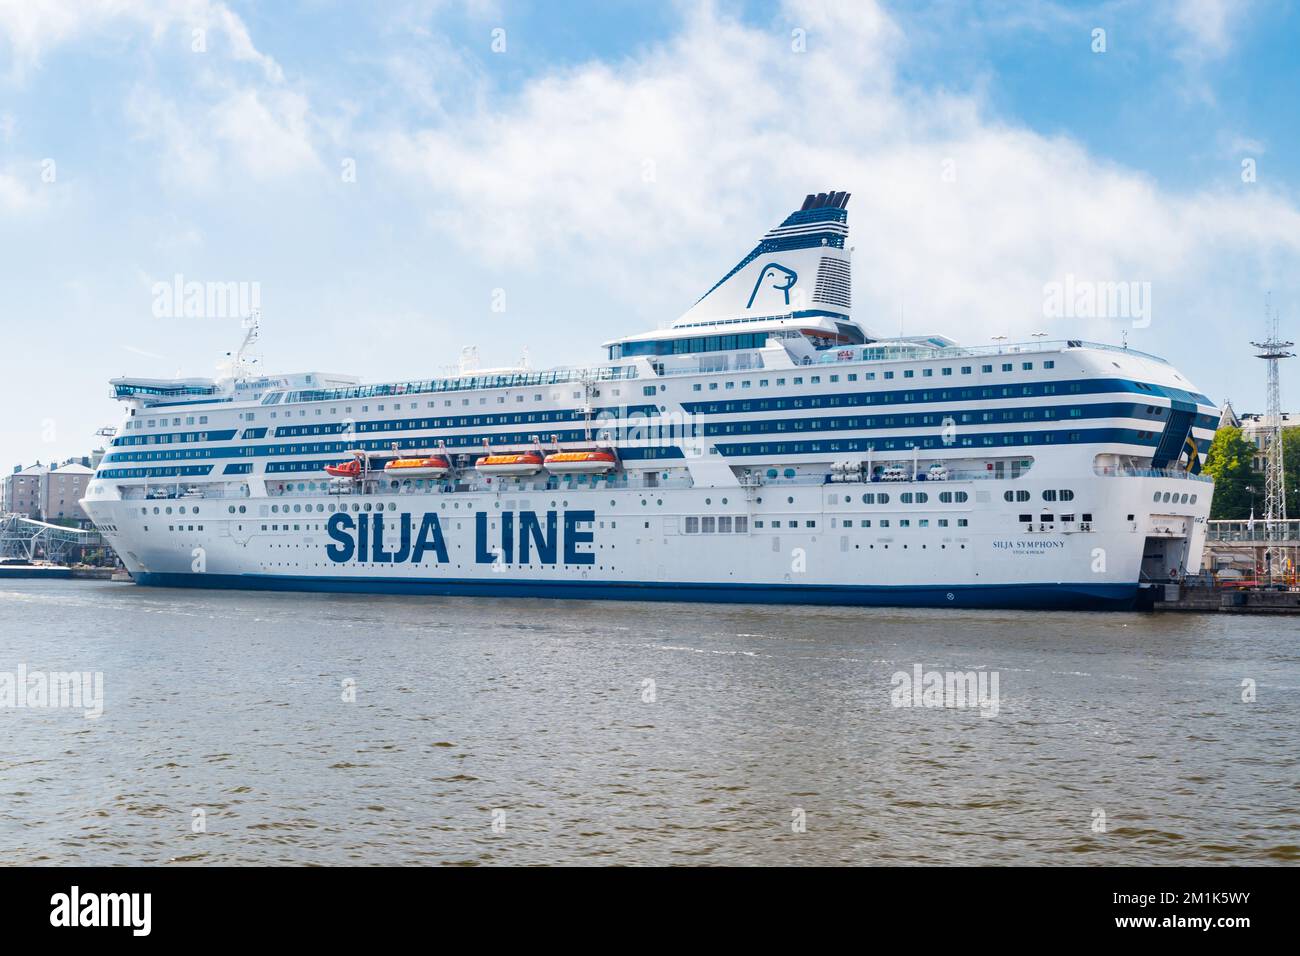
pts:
pixel 240 367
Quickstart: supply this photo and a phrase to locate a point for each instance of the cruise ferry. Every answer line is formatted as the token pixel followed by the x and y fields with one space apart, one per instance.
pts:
pixel 765 447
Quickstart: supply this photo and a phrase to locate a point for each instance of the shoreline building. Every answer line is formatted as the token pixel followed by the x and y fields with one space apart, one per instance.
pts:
pixel 48 493
pixel 1255 428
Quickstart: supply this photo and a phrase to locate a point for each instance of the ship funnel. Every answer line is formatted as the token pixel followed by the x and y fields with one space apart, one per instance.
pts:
pixel 800 267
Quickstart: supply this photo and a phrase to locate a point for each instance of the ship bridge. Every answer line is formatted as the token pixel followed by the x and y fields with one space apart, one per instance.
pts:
pixel 150 391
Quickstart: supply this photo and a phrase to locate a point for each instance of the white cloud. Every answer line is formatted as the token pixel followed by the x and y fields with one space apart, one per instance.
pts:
pixel 32 28
pixel 732 127
pixel 267 131
pixel 1208 25
pixel 256 134
pixel 1204 33
pixel 216 119
pixel 20 189
pixel 187 160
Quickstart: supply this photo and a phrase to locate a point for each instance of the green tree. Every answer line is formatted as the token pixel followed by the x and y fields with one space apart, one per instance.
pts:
pixel 1291 467
pixel 1230 463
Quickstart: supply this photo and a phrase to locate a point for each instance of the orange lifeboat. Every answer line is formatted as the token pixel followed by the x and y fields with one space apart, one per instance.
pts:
pixel 435 466
pixel 580 462
pixel 529 463
pixel 348 469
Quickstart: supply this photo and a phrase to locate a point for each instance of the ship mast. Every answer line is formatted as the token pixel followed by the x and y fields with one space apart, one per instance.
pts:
pixel 241 365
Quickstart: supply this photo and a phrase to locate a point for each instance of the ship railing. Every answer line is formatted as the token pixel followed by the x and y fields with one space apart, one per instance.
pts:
pixel 467 382
pixel 887 353
pixel 1115 471
pixel 140 493
pixel 708 363
pixel 474 485
pixel 1259 529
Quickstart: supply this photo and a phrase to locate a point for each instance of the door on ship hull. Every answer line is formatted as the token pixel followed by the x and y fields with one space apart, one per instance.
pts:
pixel 1163 558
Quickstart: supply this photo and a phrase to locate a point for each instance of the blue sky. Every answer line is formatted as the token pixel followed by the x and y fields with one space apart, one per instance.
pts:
pixel 610 162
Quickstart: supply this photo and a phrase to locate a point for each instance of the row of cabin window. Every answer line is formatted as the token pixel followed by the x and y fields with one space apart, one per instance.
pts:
pixel 1050 494
pixel 867 376
pixel 154 423
pixel 719 524
pixel 866 523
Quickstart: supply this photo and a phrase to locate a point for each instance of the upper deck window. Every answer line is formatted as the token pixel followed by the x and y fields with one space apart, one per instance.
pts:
pixel 689 346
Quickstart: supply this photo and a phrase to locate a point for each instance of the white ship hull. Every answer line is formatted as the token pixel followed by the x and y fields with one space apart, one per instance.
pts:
pixel 632 545
pixel 768 449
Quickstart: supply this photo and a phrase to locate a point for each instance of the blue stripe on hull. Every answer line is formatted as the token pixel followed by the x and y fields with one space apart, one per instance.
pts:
pixel 1090 597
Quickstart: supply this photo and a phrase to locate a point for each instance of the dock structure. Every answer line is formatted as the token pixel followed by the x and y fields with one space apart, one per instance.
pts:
pixel 1254 551
pixel 1234 600
pixel 1251 567
pixel 26 539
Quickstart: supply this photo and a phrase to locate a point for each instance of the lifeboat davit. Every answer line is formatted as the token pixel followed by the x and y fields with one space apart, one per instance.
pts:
pixel 529 463
pixel 435 466
pixel 580 462
pixel 348 469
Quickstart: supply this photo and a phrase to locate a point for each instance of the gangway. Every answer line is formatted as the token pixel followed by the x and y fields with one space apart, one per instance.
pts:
pixel 23 538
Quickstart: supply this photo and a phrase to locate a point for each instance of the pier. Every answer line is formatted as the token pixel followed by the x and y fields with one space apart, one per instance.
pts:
pixel 1238 578
pixel 1200 597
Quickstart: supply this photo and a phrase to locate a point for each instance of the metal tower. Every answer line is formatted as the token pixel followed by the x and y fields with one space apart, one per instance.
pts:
pixel 1273 350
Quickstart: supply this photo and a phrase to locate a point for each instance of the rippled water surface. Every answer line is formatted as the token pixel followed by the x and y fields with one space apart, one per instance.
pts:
pixel 533 714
